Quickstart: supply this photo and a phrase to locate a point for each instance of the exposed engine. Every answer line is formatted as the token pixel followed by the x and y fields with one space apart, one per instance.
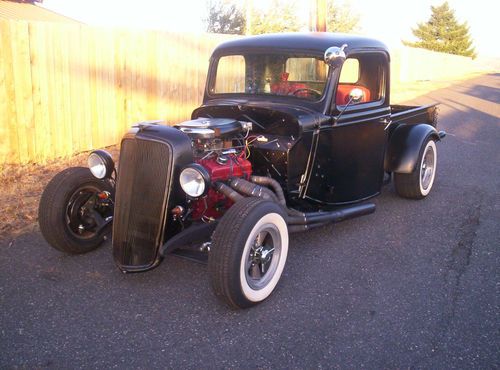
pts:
pixel 220 147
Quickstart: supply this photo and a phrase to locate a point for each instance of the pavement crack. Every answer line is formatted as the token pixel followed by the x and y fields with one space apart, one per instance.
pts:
pixel 460 260
pixel 461 252
pixel 458 263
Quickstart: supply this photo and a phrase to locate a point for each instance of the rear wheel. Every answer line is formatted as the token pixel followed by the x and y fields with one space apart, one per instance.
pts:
pixel 248 254
pixel 418 184
pixel 75 211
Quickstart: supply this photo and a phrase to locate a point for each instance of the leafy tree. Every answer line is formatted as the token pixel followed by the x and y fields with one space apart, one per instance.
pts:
pixel 443 33
pixel 224 17
pixel 340 17
pixel 280 17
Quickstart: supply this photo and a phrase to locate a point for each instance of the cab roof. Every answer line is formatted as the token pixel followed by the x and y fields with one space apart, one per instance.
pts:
pixel 316 42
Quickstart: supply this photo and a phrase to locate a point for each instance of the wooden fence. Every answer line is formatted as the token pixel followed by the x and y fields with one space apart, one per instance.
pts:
pixel 70 88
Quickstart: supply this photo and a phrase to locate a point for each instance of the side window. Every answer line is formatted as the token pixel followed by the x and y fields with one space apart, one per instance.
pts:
pixel 366 72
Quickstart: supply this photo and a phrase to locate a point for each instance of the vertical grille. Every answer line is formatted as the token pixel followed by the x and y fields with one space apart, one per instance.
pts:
pixel 141 199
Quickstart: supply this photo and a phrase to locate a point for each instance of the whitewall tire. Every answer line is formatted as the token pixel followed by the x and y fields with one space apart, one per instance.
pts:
pixel 418 184
pixel 248 253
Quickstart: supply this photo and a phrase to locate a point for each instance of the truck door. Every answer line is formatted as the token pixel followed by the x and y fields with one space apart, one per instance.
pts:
pixel 348 165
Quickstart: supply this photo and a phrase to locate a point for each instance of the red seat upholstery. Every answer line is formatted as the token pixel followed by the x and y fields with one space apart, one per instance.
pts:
pixel 343 91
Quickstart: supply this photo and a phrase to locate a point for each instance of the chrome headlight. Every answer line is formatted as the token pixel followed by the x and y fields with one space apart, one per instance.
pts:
pixel 101 164
pixel 194 180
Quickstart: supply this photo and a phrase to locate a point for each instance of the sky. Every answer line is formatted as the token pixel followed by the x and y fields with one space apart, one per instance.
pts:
pixel 387 20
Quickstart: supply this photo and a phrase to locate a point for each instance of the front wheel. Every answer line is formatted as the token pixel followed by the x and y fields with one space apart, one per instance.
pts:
pixel 248 254
pixel 75 211
pixel 418 184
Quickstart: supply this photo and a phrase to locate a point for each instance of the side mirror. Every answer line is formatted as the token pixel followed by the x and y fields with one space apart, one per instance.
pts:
pixel 356 95
pixel 335 56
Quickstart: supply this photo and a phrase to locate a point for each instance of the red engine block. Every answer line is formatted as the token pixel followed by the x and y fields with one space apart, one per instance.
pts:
pixel 214 204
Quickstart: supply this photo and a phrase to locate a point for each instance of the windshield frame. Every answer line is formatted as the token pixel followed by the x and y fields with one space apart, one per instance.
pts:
pixel 318 104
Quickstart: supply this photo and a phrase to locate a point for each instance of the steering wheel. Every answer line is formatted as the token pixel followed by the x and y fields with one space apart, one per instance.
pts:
pixel 312 92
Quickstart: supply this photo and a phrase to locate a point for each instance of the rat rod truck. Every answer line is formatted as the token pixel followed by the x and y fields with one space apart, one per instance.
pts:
pixel 295 132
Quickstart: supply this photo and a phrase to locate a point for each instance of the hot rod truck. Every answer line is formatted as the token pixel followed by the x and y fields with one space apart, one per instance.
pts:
pixel 295 132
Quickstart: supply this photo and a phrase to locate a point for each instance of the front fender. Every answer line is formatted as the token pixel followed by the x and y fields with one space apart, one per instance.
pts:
pixel 404 146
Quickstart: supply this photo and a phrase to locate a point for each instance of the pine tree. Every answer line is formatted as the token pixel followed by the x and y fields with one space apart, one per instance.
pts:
pixel 443 33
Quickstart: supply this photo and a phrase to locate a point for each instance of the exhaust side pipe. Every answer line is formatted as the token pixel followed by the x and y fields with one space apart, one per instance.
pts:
pixel 333 216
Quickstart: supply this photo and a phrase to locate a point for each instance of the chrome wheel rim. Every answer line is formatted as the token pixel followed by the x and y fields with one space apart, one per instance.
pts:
pixel 428 168
pixel 263 256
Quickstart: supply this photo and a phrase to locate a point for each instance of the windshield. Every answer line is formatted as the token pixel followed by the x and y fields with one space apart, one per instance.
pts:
pixel 302 76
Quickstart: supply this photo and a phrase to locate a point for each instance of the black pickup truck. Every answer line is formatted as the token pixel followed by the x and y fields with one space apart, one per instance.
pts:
pixel 295 131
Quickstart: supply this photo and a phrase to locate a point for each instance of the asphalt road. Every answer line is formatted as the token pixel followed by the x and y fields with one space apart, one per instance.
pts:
pixel 415 285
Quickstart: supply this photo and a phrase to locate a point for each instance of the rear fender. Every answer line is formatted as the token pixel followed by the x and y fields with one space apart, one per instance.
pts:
pixel 404 146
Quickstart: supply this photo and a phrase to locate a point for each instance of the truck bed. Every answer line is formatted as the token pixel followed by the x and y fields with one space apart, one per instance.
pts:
pixel 414 114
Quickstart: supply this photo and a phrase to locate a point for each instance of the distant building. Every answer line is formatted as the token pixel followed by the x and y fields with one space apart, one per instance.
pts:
pixel 28 12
